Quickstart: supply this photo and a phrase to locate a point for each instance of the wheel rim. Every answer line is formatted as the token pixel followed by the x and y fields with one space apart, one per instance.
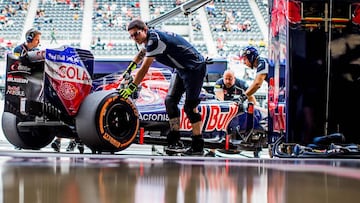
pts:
pixel 119 121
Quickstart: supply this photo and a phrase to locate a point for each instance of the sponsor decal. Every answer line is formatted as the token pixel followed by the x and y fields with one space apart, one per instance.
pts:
pixel 17 79
pixel 154 117
pixel 36 56
pixel 63 57
pixel 279 118
pixel 15 90
pixel 111 140
pixel 69 78
pixel 214 117
pixel 69 73
pixel 67 91
pixel 16 67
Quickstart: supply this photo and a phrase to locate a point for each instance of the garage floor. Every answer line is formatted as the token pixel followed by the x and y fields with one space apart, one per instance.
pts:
pixel 139 176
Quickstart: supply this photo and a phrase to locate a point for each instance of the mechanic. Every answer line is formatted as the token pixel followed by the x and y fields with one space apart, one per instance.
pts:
pixel 227 87
pixel 189 71
pixel 252 60
pixel 32 42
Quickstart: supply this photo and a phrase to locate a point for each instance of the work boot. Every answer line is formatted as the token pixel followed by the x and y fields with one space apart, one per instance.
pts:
pixel 81 148
pixel 71 146
pixel 174 143
pixel 197 146
pixel 18 148
pixel 56 145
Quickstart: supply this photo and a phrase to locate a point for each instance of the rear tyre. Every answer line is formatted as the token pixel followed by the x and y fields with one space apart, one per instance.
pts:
pixel 34 138
pixel 106 122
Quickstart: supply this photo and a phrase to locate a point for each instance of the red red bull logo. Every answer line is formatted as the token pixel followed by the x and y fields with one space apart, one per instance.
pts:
pixel 214 117
pixel 15 90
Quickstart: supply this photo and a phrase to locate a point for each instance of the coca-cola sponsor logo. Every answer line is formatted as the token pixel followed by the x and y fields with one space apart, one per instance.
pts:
pixel 68 73
pixel 73 73
pixel 67 91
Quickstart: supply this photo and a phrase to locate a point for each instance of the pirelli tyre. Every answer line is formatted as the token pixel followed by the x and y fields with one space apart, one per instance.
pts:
pixel 106 122
pixel 29 138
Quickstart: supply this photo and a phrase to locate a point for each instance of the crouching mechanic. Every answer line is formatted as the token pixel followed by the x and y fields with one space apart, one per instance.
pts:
pixel 228 87
pixel 189 71
pixel 253 60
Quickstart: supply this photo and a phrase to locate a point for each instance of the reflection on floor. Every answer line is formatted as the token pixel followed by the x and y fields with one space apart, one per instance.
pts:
pixel 91 178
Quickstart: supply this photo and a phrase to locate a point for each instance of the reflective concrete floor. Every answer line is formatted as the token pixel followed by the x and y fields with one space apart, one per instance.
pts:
pixel 48 177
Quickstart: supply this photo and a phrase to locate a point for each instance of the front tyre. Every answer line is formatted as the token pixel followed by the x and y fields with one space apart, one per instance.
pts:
pixel 107 122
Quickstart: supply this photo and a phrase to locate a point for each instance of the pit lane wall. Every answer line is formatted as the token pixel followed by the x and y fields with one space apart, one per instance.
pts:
pixel 314 46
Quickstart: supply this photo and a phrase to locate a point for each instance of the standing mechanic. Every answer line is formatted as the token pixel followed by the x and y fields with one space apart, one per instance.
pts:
pixel 227 87
pixel 253 60
pixel 190 69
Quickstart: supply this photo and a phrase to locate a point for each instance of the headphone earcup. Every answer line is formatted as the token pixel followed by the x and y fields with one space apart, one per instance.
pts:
pixel 30 37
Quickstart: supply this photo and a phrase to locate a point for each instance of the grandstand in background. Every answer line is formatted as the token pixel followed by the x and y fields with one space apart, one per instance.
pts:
pixel 220 29
pixel 100 25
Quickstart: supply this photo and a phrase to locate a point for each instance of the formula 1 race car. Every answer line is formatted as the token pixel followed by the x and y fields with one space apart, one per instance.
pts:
pixel 52 93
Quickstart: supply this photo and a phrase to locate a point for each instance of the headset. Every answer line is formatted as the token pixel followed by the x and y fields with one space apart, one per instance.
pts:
pixel 30 34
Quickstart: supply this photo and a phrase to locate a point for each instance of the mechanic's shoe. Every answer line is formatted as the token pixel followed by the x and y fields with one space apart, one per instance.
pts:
pixel 210 154
pixel 192 152
pixel 71 146
pixel 81 148
pixel 175 148
pixel 197 147
pixel 175 145
pixel 56 145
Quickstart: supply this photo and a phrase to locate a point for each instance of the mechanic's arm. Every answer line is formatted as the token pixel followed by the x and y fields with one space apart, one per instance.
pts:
pixel 259 79
pixel 219 94
pixel 139 56
pixel 143 70
pixel 252 99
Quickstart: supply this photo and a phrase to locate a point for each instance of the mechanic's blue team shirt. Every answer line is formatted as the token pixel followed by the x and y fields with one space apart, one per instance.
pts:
pixel 172 50
pixel 236 89
pixel 23 49
pixel 263 68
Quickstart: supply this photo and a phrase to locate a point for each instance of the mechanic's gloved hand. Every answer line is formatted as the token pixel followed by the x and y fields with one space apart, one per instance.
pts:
pixel 125 93
pixel 132 66
pixel 243 97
